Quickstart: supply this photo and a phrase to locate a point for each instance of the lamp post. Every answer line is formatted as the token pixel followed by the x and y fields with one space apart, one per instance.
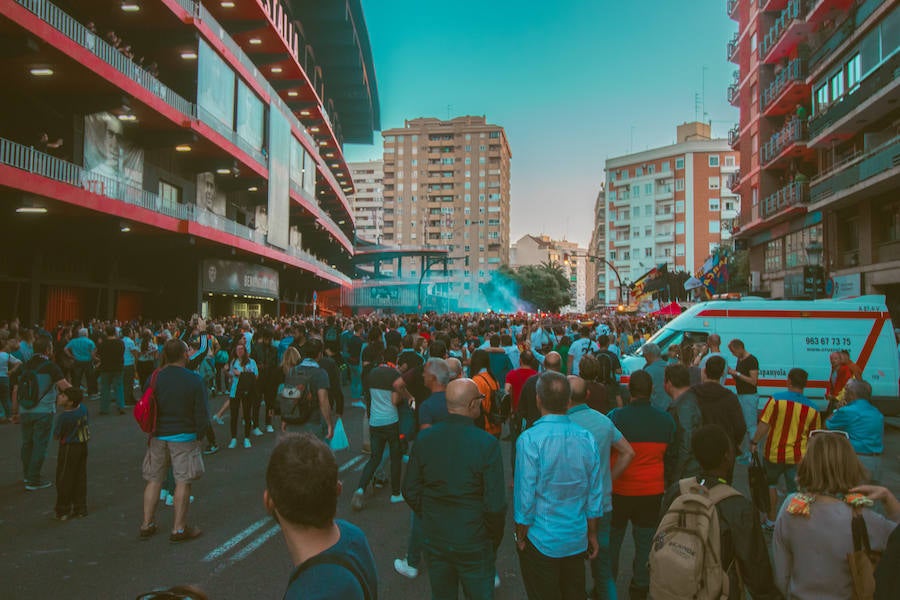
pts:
pixel 814 254
pixel 618 278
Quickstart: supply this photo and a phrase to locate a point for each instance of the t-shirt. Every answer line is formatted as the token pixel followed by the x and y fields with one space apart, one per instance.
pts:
pixel 47 375
pixel 789 425
pixel 128 356
pixel 112 355
pixel 381 386
pixel 578 349
pixel 318 380
pixel 7 361
pixel 744 366
pixel 72 426
pixel 434 409
pixel 335 582
pixel 516 379
pixel 82 348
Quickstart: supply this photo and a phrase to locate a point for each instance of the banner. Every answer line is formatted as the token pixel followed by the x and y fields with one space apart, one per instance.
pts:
pixel 107 153
pixel 215 86
pixel 209 196
pixel 231 277
pixel 714 272
pixel 653 280
pixel 279 179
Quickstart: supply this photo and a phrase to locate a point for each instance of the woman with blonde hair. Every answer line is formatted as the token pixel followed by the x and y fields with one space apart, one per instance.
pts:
pixel 813 535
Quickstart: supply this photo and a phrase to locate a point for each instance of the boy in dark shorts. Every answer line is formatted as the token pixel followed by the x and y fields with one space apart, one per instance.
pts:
pixel 71 464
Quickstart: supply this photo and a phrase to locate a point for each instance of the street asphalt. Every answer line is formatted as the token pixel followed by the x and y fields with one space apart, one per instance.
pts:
pixel 241 553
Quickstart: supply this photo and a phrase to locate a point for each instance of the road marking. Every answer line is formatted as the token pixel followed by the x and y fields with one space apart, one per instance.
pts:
pixel 227 546
pixel 255 544
pixel 351 463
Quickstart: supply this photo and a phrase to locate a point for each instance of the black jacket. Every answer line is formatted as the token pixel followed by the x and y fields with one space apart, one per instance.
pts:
pixel 720 406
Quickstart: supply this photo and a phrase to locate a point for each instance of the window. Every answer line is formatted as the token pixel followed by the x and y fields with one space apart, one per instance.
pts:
pixel 468 185
pixel 714 227
pixel 169 194
pixel 774 256
pixel 638 171
pixel 651 169
pixel 714 160
pixel 389 139
pixel 468 174
pixel 666 167
pixel 679 163
pixel 468 148
pixel 648 210
pixel 714 205
pixel 679 227
pixel 714 183
pixel 729 161
pixel 626 255
pixel 468 160
pixel 679 206
pixel 482 148
pixel 648 252
pixel 648 189
pixel 623 174
pixel 667 252
pixel 625 214
pixel 468 198
pixel 753 42
pixel 729 205
pixel 494 135
pixel 636 232
pixel 754 196
pixel 679 249
pixel 612 255
pixel 822 97
pixel 414 163
pixel 636 191
pixel 648 231
pixel 837 86
pixel 853 68
pixel 679 185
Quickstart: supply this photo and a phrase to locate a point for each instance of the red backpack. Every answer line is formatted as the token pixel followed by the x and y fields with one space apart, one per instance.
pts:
pixel 145 409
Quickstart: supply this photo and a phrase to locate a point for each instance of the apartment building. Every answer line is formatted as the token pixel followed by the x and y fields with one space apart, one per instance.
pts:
pixel 447 184
pixel 819 146
pixel 596 283
pixel 668 205
pixel 368 201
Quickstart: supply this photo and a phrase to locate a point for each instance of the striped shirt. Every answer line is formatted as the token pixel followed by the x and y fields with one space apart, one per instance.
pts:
pixel 789 425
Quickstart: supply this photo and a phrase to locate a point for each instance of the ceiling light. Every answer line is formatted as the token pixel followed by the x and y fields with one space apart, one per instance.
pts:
pixel 31 210
pixel 226 4
pixel 128 117
pixel 130 7
pixel 293 93
pixel 190 55
pixel 125 229
pixel 252 188
pixel 277 69
pixel 182 148
pixel 329 155
pixel 304 113
pixel 255 41
pixel 314 129
pixel 335 165
pixel 223 171
pixel 41 72
pixel 323 143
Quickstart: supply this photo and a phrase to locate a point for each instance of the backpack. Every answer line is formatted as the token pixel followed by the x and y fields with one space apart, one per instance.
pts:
pixel 30 390
pixel 296 401
pixel 331 334
pixel 145 410
pixel 266 357
pixel 340 560
pixel 500 407
pixel 606 375
pixel 685 556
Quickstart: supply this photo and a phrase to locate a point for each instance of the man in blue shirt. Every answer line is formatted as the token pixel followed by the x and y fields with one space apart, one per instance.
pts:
pixel 863 423
pixel 83 351
pixel 332 558
pixel 558 496
pixel 128 364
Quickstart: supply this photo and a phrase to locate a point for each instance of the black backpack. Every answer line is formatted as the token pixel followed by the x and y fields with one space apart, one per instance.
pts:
pixel 297 400
pixel 500 407
pixel 327 558
pixel 607 375
pixel 30 391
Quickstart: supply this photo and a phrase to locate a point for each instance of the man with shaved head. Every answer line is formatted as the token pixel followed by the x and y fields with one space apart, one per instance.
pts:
pixel 454 484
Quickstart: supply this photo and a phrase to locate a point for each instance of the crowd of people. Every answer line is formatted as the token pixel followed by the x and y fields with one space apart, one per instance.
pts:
pixel 593 450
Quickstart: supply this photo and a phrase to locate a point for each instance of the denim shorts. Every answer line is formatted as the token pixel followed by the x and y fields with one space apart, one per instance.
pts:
pixel 776 470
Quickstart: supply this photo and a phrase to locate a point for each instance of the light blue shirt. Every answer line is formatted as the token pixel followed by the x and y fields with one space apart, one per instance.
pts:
pixel 129 351
pixel 82 348
pixel 794 397
pixel 659 398
pixel 578 349
pixel 558 485
pixel 863 423
pixel 513 353
pixel 606 434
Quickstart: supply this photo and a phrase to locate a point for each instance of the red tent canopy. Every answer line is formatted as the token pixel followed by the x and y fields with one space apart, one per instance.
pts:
pixel 669 309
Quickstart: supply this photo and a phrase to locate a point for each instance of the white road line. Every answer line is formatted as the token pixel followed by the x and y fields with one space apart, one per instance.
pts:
pixel 351 462
pixel 255 544
pixel 227 546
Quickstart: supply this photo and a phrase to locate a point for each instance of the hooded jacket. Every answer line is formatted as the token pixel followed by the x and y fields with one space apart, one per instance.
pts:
pixel 720 406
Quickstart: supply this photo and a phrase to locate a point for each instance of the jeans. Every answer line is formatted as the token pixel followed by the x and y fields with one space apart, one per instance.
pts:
pixel 82 370
pixel 36 428
pixel 643 513
pixel 416 543
pixel 448 568
pixel 549 578
pixel 601 567
pixel 71 479
pixel 750 408
pixel 111 389
pixel 387 435
pixel 243 401
pixel 5 410
pixel 128 383
pixel 356 381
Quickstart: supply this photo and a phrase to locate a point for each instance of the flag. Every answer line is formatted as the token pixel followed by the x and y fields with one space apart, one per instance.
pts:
pixel 653 280
pixel 713 272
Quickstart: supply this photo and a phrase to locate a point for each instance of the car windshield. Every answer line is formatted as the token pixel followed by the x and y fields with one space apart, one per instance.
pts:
pixel 663 338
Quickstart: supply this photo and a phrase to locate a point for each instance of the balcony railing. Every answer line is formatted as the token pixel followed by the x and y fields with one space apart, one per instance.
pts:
pixel 868 87
pixel 732 47
pixel 795 9
pixel 794 72
pixel 732 6
pixel 857 170
pixel 30 160
pixel 734 180
pixel 793 194
pixel 735 88
pixel 790 134
pixel 842 33
pixel 734 136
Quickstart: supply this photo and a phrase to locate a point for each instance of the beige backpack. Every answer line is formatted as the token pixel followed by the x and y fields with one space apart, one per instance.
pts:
pixel 686 558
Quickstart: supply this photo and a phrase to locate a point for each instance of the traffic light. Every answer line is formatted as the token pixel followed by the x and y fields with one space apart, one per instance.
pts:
pixel 814 281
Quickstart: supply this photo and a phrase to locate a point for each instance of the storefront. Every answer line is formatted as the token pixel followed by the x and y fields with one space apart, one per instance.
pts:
pixel 236 288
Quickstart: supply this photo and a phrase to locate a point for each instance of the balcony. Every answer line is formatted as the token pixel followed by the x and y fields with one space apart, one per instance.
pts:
pixel 622 242
pixel 875 97
pixel 734 95
pixel 856 173
pixel 843 33
pixel 786 91
pixel 663 237
pixel 732 8
pixel 664 192
pixel 665 215
pixel 734 136
pixel 734 181
pixel 732 48
pixel 794 194
pixel 783 140
pixel 786 32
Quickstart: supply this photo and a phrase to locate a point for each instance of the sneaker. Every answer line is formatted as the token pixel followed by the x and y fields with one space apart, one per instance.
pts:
pixel 170 500
pixel 256 431
pixel 397 498
pixel 358 500
pixel 232 444
pixel 496 582
pixel 163 494
pixel 247 443
pixel 403 567
pixel 37 485
pixel 270 429
pixel 211 450
pixel 185 535
pixel 218 419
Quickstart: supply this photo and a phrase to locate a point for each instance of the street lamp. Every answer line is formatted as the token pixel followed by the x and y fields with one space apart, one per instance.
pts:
pixel 814 254
pixel 594 258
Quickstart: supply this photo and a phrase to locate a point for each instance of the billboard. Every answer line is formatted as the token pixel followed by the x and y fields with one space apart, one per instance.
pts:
pixel 279 178
pixel 215 86
pixel 231 277
pixel 250 116
pixel 209 196
pixel 108 153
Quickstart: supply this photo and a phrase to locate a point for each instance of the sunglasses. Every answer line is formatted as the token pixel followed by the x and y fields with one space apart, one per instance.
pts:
pixel 826 431
pixel 479 397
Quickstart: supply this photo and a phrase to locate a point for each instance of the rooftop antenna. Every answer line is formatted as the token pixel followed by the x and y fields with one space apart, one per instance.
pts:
pixel 703 92
pixel 449 108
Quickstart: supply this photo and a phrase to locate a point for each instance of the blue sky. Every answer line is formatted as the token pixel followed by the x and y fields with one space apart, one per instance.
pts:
pixel 574 82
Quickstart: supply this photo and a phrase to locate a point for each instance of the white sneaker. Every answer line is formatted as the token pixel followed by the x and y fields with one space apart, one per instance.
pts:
pixel 496 582
pixel 170 500
pixel 269 429
pixel 402 567
pixel 247 443
pixel 232 444
pixel 358 500
pixel 256 431
pixel 163 494
pixel 218 419
pixel 397 499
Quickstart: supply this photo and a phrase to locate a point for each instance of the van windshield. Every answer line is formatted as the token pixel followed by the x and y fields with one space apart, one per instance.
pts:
pixel 663 338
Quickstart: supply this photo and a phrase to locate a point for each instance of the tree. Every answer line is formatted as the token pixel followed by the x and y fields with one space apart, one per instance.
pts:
pixel 531 287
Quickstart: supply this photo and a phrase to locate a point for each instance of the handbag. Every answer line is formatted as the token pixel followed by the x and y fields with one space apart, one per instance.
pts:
pixel 862 560
pixel 145 409
pixel 759 484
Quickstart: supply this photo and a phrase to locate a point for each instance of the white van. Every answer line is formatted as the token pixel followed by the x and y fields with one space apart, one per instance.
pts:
pixel 783 334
